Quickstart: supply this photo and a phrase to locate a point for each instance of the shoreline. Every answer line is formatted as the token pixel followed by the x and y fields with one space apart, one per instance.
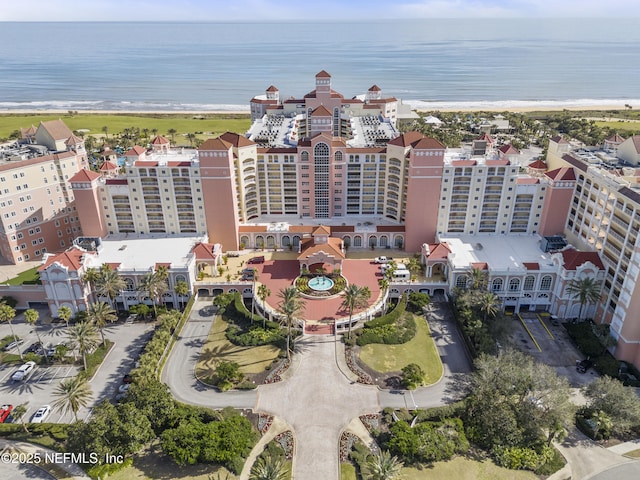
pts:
pixel 518 109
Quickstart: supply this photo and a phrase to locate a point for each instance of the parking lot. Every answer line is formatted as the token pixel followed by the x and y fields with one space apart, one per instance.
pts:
pixel 38 388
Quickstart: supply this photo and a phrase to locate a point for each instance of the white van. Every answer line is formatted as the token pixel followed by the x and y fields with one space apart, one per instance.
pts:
pixel 398 266
pixel 402 275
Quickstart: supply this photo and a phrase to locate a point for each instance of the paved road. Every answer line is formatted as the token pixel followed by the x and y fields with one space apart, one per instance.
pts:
pixel 179 369
pixel 318 401
pixel 627 471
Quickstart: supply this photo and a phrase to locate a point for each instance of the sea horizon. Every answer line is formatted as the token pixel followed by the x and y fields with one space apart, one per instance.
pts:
pixel 219 66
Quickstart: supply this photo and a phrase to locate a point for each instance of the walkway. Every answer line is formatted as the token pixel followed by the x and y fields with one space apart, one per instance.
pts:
pixel 18 471
pixel 318 401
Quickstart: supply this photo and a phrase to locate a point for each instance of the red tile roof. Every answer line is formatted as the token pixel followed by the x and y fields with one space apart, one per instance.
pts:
pixel 527 181
pixel 538 165
pixel 375 88
pixel 301 228
pixel 390 228
pixel 406 139
pixel 480 265
pixel 502 161
pixel 428 143
pixel 71 259
pixel 135 151
pixel 159 140
pixel 559 139
pixel 85 176
pixel 323 73
pixel 486 137
pixel 531 265
pixel 106 166
pixel 321 111
pixel 615 138
pixel 508 149
pixel 116 181
pixel 252 228
pixel 215 144
pixel 272 89
pixel 636 142
pixel 57 129
pixel 73 140
pixel 236 140
pixel 562 174
pixel 574 258
pixel 438 251
pixel 332 248
pixel 321 230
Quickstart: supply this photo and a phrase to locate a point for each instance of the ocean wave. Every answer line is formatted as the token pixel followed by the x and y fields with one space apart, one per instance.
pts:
pixel 140 106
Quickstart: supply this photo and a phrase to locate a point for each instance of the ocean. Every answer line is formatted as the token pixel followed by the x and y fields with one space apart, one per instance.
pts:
pixel 431 64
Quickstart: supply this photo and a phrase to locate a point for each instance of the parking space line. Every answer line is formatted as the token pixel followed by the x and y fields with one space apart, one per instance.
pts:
pixel 529 332
pixel 545 326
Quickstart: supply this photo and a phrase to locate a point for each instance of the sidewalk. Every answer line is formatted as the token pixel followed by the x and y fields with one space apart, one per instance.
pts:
pixel 278 426
pixel 625 447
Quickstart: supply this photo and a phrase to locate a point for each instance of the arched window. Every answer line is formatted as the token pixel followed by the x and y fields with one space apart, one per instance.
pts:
pixel 181 278
pixel 338 156
pixel 346 240
pixel 244 240
pixel 496 285
pixel 259 241
pixel 545 283
pixel 357 241
pixel 373 241
pixel 399 241
pixel 286 240
pixel 514 284
pixel 304 156
pixel 130 284
pixel 271 241
pixel 529 282
pixel 462 281
pixel 384 241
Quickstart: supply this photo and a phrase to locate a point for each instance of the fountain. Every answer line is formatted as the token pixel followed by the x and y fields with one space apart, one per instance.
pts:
pixel 320 284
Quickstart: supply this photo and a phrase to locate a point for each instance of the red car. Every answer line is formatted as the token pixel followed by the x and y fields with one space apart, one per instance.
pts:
pixel 256 260
pixel 5 411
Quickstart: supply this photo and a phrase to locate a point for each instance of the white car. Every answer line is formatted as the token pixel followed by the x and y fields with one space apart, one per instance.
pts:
pixel 382 259
pixel 23 372
pixel 124 388
pixel 13 345
pixel 41 414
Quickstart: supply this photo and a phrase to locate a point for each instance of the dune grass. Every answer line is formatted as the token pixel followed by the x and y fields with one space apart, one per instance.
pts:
pixel 218 348
pixel 421 349
pixel 211 125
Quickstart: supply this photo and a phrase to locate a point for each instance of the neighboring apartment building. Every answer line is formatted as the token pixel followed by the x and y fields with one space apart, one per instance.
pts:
pixel 603 215
pixel 37 205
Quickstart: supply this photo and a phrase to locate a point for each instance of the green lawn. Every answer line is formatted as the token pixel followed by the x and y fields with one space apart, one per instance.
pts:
pixel 465 469
pixel 30 276
pixel 213 124
pixel 347 471
pixel 421 349
pixel 620 126
pixel 217 348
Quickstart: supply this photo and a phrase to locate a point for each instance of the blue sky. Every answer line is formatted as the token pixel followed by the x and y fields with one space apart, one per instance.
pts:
pixel 259 10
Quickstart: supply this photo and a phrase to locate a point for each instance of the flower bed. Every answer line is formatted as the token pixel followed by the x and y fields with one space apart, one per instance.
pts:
pixel 264 423
pixel 285 440
pixel 347 440
pixel 371 421
pixel 363 377
pixel 275 374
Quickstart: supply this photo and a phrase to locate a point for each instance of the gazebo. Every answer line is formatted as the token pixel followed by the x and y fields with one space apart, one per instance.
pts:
pixel 321 248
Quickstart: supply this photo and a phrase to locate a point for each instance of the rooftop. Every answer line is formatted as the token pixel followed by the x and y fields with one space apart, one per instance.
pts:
pixel 283 223
pixel 141 252
pixel 502 253
pixel 170 158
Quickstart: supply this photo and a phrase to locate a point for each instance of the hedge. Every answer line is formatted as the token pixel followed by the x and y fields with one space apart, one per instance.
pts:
pixel 399 332
pixel 440 413
pixel 243 313
pixel 390 317
pixel 255 336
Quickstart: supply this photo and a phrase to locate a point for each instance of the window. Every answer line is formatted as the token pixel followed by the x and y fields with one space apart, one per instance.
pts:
pixel 496 285
pixel 545 284
pixel 514 284
pixel 529 282
pixel 462 281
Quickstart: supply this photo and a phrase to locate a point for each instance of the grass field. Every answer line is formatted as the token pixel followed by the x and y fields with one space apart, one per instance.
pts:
pixel 465 469
pixel 421 349
pixel 30 276
pixel 621 126
pixel 217 348
pixel 212 124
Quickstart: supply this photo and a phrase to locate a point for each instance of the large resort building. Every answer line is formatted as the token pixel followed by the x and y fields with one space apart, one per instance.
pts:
pixel 343 164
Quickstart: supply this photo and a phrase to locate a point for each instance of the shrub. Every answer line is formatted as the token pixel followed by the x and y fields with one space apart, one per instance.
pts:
pixel 412 376
pixel 417 301
pixel 403 330
pixel 607 365
pixel 388 318
pixel 522 458
pixel 440 413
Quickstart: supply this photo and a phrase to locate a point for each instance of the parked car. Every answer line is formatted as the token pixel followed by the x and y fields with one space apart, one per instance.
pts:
pixel 131 318
pixel 124 388
pixel 259 259
pixel 13 345
pixel 5 411
pixel 248 274
pixel 36 348
pixel 233 254
pixel 51 349
pixel 584 365
pixel 41 414
pixel 382 259
pixel 23 372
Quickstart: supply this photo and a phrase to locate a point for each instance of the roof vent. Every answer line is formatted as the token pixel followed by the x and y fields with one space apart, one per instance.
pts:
pixel 123 247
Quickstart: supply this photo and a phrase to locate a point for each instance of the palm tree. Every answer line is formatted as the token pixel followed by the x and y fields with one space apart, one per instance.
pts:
pixel 269 468
pixel 109 284
pixel 172 132
pixel 355 297
pixel 7 314
pixel 182 290
pixel 31 316
pixel 162 272
pixel 154 285
pixel 586 291
pixel 384 286
pixel 105 129
pixel 479 279
pixel 263 293
pixel 488 303
pixel 414 266
pixel 191 137
pixel 602 421
pixel 290 306
pixel 91 277
pixel 65 313
pixel 382 466
pixel 100 314
pixel 84 336
pixel 72 394
pixel 18 414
